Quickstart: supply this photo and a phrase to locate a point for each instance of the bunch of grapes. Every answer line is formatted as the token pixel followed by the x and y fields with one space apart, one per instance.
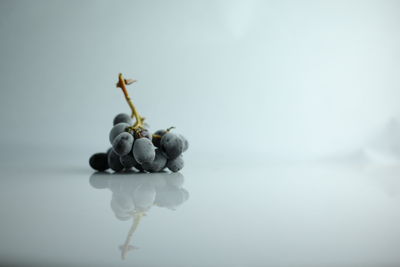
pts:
pixel 134 147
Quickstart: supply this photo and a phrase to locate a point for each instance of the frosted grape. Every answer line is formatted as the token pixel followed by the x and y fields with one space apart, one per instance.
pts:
pixel 122 117
pixel 143 150
pixel 128 161
pixel 156 138
pixel 185 143
pixel 157 164
pixel 172 145
pixel 122 143
pixel 176 164
pixel 113 161
pixel 117 129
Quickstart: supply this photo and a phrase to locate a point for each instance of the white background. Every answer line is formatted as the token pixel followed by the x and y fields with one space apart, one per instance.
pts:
pixel 283 79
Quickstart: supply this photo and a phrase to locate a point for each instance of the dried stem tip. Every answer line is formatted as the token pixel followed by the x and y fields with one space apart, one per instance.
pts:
pixel 135 114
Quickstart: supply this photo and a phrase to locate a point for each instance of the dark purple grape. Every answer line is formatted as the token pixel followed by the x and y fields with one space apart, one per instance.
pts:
pixel 122 143
pixel 185 143
pixel 143 150
pixel 176 164
pixel 117 129
pixel 172 145
pixel 157 164
pixel 156 138
pixel 113 161
pixel 128 161
pixel 122 117
pixel 99 162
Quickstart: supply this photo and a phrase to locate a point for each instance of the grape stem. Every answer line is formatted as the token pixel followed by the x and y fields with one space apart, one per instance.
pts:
pixel 159 136
pixel 122 82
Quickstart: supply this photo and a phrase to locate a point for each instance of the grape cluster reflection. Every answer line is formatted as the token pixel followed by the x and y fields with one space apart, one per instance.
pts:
pixel 134 195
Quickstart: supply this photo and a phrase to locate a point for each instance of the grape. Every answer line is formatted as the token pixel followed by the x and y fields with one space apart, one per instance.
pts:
pixel 176 164
pixel 122 143
pixel 143 150
pixel 113 161
pixel 185 143
pixel 117 129
pixel 99 162
pixel 157 164
pixel 122 117
pixel 172 145
pixel 128 161
pixel 157 137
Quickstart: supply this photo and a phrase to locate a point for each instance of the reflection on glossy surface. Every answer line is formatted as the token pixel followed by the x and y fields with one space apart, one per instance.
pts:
pixel 133 195
pixel 290 215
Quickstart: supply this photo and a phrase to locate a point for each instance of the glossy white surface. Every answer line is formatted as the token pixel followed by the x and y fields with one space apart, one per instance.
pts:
pixel 269 214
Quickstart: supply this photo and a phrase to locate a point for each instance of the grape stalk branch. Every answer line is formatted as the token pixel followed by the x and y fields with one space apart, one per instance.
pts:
pixel 122 83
